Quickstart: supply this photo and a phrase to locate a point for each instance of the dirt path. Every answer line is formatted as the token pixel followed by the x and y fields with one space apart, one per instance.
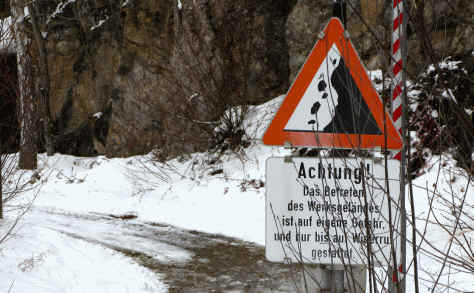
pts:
pixel 187 261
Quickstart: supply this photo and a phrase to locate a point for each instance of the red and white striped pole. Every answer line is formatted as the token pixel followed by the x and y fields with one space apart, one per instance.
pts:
pixel 398 57
pixel 397 66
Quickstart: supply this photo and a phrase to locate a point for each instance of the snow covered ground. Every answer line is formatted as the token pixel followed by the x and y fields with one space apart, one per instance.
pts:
pixel 218 195
pixel 38 259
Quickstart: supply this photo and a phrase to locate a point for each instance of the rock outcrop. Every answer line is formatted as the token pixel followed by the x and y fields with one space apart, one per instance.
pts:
pixel 122 73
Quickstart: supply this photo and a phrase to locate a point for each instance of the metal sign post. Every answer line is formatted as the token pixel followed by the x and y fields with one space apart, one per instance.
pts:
pixel 339 10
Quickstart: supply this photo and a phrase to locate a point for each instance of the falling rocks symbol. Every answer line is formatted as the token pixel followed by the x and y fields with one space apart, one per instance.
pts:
pixel 352 114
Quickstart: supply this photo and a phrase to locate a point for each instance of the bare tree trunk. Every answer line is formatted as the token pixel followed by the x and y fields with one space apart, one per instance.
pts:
pixel 26 101
pixel 42 90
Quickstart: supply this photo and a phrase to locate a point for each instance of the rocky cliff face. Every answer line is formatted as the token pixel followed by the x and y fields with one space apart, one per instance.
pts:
pixel 105 62
pixel 127 76
pixel 448 26
pixel 120 73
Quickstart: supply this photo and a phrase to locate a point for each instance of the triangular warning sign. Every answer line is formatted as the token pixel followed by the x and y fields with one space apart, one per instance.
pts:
pixel 332 103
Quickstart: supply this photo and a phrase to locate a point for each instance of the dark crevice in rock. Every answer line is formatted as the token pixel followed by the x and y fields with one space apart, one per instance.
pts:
pixel 101 126
pixel 60 124
pixel 77 143
pixel 80 65
pixel 80 141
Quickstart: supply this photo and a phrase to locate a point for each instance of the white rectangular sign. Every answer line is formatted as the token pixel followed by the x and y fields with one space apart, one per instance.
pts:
pixel 316 211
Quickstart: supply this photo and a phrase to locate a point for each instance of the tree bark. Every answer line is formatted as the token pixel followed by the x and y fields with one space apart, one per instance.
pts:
pixel 26 101
pixel 43 89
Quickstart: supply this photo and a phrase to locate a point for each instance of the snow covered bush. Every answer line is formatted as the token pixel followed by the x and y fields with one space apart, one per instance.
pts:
pixel 441 114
